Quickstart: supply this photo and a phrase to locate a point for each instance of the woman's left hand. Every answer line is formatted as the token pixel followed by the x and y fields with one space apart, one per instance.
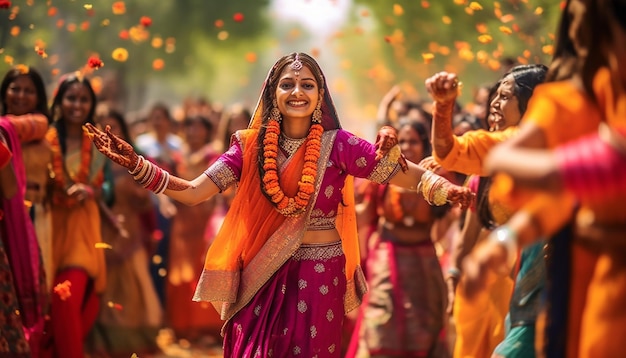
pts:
pixel 80 192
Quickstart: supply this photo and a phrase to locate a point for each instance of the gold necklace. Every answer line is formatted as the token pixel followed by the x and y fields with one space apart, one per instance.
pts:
pixel 290 145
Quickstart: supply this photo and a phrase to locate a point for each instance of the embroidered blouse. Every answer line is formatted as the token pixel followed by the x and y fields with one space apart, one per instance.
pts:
pixel 350 155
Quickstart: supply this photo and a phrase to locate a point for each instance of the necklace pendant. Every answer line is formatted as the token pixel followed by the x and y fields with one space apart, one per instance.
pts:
pixel 408 221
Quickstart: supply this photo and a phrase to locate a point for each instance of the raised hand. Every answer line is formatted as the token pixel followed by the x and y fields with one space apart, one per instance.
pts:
pixel 387 139
pixel 112 146
pixel 443 87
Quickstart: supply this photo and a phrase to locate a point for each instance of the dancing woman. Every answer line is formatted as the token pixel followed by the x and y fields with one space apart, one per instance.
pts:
pixel 283 269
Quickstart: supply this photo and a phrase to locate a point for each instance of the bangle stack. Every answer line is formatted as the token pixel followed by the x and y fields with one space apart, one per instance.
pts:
pixel 434 189
pixel 150 176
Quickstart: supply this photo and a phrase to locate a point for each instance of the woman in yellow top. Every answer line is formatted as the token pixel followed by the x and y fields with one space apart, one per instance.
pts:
pixel 76 178
pixel 586 274
pixel 283 269
pixel 476 335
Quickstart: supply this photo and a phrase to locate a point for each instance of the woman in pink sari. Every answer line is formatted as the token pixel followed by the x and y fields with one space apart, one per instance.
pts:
pixel 284 268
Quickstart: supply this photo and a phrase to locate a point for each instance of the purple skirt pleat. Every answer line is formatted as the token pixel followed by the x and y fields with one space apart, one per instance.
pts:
pixel 298 313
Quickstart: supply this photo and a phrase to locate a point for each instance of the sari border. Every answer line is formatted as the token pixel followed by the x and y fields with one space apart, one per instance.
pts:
pixel 280 246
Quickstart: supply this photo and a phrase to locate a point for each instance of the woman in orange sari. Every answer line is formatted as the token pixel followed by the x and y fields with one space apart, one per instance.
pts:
pixel 284 268
pixel 587 277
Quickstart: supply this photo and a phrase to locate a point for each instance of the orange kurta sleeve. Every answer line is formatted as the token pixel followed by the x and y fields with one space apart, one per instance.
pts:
pixel 469 150
pixel 30 127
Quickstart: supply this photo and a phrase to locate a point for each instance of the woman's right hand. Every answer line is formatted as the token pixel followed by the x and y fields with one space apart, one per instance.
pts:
pixel 112 146
pixel 443 87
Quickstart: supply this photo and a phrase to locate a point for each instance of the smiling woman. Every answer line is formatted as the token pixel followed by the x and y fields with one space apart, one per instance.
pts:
pixel 284 268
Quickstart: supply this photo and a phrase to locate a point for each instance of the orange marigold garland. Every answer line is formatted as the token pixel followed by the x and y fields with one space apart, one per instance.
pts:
pixel 58 165
pixel 306 185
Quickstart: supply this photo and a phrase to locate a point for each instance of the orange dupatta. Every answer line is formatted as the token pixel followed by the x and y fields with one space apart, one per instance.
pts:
pixel 255 240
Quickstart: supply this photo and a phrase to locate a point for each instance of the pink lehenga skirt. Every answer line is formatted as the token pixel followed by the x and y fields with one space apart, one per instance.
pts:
pixel 299 312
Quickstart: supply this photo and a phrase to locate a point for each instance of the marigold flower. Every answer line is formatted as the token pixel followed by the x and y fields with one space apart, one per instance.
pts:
pixel 94 62
pixel 238 17
pixel 63 290
pixel 145 21
pixel 120 54
pixel 119 8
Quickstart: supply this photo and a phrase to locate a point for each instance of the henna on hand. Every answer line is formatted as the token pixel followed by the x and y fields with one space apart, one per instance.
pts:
pixel 112 146
pixel 385 140
pixel 460 195
pixel 178 184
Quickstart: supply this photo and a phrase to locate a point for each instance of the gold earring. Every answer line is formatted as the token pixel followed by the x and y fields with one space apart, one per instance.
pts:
pixel 275 112
pixel 317 113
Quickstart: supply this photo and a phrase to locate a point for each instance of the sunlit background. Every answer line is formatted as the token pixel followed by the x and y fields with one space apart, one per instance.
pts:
pixel 169 50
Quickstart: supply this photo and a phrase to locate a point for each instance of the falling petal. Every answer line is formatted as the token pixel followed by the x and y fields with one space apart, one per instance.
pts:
pixel 119 8
pixel 145 21
pixel 507 18
pixel 482 57
pixel 397 10
pixel 52 11
pixel 425 4
pixel 505 30
pixel 428 57
pixel 222 35
pixel 157 42
pixel 475 6
pixel 63 290
pixel 538 10
pixel 102 245
pixel 482 28
pixel 238 17
pixel 251 57
pixel 120 54
pixel 15 31
pixel 485 39
pixel 219 23
pixel 88 6
pixel 158 64
pixel 548 50
pixel 446 20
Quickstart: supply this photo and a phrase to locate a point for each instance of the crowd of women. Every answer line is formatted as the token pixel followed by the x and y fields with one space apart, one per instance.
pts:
pixel 495 232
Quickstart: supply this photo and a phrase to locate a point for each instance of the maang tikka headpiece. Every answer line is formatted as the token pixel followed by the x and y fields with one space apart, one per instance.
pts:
pixel 296 65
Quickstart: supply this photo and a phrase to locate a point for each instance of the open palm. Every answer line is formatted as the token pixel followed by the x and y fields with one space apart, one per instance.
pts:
pixel 112 146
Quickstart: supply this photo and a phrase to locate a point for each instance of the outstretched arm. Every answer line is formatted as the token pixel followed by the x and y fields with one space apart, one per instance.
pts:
pixel 593 166
pixel 149 174
pixel 435 189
